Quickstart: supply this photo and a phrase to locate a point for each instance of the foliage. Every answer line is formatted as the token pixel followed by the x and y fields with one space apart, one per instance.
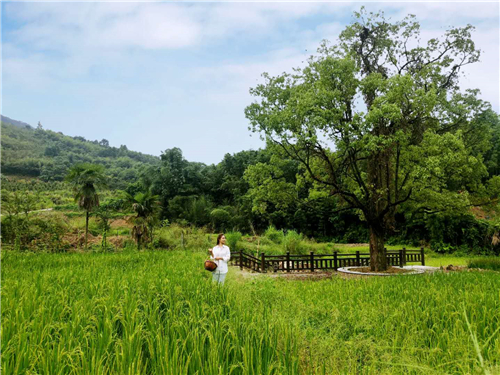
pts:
pixel 292 242
pixel 104 215
pixel 85 179
pixel 233 240
pixel 416 141
pixel 49 155
pixel 492 263
pixel 35 232
pixel 146 207
pixel 220 219
pixel 274 234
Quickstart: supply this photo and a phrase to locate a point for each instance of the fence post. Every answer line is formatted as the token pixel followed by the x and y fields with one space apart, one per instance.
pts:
pixel 404 256
pixel 358 262
pixel 335 264
pixel 401 258
pixel 422 256
pixel 262 262
pixel 241 259
pixel 287 261
pixel 312 261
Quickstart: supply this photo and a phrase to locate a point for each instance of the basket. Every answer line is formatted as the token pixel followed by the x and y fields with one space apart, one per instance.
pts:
pixel 210 265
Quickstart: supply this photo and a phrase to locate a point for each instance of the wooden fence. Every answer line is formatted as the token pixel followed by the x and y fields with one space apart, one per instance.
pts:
pixel 312 262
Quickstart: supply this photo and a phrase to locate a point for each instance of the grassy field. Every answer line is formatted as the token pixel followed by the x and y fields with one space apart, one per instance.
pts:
pixel 159 313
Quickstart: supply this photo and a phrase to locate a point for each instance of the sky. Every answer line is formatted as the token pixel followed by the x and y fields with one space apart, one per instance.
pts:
pixel 156 75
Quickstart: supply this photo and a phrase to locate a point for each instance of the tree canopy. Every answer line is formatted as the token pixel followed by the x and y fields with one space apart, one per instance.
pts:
pixel 378 121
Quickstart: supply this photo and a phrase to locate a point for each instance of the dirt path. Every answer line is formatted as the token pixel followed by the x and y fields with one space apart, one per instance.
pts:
pixel 245 274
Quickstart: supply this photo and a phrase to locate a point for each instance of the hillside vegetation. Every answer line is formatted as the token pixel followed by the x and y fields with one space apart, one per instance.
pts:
pixel 48 155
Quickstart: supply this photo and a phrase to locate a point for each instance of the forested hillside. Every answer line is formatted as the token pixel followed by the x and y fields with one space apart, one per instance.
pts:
pixel 48 155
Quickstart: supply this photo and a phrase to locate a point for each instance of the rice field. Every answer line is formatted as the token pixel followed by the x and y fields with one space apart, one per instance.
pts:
pixel 159 313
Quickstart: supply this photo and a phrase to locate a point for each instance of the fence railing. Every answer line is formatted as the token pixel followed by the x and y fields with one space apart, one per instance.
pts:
pixel 311 262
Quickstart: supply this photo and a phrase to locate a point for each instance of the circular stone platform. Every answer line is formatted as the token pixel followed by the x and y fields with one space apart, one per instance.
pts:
pixel 416 270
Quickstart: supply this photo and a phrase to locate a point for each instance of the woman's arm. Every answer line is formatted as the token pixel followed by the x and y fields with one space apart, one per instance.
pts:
pixel 227 255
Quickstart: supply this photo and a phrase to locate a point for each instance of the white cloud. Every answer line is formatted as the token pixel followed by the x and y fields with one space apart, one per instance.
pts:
pixel 449 12
pixel 152 27
pixel 120 60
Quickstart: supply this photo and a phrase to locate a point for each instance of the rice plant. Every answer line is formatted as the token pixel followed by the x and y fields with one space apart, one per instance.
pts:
pixel 487 263
pixel 159 313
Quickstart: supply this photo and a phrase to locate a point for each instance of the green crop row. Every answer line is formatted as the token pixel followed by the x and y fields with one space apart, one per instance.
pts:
pixel 159 313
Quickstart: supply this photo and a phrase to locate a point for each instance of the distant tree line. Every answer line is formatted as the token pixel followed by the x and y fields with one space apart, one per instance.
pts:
pixel 246 192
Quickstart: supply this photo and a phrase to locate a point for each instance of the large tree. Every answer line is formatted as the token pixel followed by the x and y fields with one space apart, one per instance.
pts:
pixel 86 179
pixel 378 120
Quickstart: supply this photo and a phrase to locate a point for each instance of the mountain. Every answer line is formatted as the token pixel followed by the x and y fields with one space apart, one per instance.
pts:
pixel 48 155
pixel 19 124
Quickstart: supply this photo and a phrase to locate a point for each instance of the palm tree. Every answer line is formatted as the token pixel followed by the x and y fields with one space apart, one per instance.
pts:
pixel 146 207
pixel 85 179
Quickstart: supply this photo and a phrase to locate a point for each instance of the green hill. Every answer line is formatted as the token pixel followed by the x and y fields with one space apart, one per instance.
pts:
pixel 47 155
pixel 19 124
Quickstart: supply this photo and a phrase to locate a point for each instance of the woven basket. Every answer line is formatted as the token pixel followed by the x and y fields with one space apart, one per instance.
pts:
pixel 210 265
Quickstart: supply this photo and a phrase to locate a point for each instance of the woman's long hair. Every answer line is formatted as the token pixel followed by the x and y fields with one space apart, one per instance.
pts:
pixel 219 237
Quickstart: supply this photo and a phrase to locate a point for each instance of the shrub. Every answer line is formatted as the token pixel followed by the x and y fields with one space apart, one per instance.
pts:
pixel 220 219
pixel 233 239
pixel 292 242
pixel 449 233
pixel 274 234
pixel 178 237
pixel 38 232
pixel 120 231
pixel 490 263
pixel 196 239
pixel 161 241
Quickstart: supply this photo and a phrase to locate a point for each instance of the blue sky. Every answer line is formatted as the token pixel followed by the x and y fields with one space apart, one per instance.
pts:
pixel 154 76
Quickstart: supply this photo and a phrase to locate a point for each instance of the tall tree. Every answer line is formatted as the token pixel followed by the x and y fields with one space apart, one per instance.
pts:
pixel 86 179
pixel 378 120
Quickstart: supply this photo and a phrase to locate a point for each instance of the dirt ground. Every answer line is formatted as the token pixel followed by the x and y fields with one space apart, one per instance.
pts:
pixel 120 223
pixel 77 240
pixel 246 274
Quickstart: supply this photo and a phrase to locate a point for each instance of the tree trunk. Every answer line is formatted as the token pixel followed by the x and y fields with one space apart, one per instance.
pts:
pixel 378 256
pixel 379 181
pixel 138 243
pixel 86 228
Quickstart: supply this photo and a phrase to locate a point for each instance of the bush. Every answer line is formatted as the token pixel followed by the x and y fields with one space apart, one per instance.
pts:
pixel 196 239
pixel 274 234
pixel 292 242
pixel 178 237
pixel 162 241
pixel 490 263
pixel 220 219
pixel 39 232
pixel 463 233
pixel 232 240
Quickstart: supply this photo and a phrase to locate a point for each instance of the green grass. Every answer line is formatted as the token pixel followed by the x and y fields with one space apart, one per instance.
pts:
pixel 159 313
pixel 487 263
pixel 445 261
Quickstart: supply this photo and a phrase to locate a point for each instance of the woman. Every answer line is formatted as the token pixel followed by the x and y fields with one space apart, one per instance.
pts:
pixel 220 254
